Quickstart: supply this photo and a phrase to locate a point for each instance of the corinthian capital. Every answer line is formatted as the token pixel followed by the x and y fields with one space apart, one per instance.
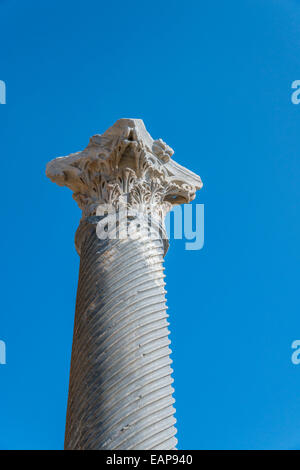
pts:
pixel 125 166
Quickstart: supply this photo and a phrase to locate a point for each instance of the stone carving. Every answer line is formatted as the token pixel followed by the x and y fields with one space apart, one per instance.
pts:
pixel 125 166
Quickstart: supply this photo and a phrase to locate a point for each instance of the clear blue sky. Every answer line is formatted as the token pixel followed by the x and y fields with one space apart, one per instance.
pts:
pixel 213 79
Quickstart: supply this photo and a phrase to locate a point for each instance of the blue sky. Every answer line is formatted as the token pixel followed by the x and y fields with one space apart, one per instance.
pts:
pixel 213 79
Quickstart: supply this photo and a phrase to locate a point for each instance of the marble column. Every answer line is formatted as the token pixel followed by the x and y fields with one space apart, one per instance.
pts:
pixel 120 391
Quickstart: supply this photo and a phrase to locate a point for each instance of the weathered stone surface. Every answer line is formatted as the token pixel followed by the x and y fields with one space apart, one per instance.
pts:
pixel 124 160
pixel 120 393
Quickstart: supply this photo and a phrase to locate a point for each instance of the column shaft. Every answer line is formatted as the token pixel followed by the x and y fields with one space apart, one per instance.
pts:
pixel 120 393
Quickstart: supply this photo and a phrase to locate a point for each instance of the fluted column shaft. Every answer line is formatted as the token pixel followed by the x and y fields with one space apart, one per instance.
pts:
pixel 120 393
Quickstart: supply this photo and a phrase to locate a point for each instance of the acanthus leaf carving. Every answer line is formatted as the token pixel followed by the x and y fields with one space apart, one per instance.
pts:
pixel 125 164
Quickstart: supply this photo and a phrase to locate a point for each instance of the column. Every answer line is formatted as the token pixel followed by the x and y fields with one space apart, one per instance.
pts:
pixel 120 391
